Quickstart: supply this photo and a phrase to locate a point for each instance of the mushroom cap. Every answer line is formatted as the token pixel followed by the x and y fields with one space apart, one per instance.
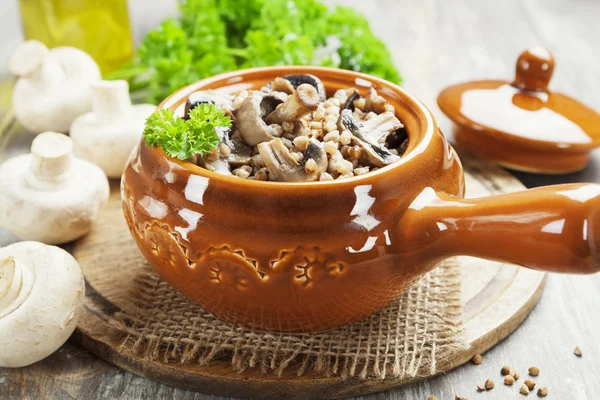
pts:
pixel 45 313
pixel 50 216
pixel 108 143
pixel 249 119
pixel 27 58
pixel 54 106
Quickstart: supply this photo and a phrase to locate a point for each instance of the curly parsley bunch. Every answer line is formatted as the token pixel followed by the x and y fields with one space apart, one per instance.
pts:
pixel 214 36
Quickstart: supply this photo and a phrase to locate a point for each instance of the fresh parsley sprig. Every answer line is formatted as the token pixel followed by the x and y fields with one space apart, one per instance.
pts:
pixel 214 36
pixel 183 138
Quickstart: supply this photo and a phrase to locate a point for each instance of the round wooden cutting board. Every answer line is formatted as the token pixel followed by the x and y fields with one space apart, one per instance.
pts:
pixel 496 297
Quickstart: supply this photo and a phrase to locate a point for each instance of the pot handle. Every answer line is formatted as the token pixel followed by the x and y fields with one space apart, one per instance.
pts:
pixel 552 228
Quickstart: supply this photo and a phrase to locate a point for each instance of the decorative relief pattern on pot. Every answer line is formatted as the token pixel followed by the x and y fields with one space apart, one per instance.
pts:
pixel 232 267
pixel 165 246
pixel 310 265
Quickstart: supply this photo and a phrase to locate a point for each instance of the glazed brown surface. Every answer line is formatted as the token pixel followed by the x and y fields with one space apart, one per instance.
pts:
pixel 298 257
pixel 521 124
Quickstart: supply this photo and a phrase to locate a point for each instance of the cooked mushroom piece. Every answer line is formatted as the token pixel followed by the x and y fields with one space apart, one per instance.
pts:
pixel 295 81
pixel 304 100
pixel 374 102
pixel 237 160
pixel 249 118
pixel 380 127
pixel 370 134
pixel 207 96
pixel 349 103
pixel 283 166
pixel 399 140
pixel 219 165
pixel 282 85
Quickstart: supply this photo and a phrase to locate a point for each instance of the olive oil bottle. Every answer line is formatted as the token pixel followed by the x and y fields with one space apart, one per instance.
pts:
pixel 99 27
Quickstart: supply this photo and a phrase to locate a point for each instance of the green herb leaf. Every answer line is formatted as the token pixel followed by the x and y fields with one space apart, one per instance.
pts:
pixel 182 139
pixel 214 36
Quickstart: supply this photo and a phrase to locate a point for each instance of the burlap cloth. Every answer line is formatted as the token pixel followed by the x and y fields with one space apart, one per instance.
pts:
pixel 406 339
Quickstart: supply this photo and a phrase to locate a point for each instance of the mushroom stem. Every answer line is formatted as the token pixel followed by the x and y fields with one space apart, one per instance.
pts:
pixel 15 285
pixel 304 100
pixel 110 100
pixel 32 60
pixel 52 154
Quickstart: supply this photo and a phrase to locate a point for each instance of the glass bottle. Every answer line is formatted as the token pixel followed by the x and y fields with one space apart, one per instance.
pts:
pixel 98 27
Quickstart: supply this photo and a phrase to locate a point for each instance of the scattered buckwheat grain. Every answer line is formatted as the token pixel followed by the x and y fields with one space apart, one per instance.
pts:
pixel 489 384
pixel 542 392
pixel 477 360
pixel 534 371
pixel 524 390
pixel 505 370
pixel 509 380
pixel 529 383
pixel 577 352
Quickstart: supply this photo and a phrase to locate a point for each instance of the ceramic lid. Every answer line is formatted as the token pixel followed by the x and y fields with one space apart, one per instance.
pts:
pixel 524 108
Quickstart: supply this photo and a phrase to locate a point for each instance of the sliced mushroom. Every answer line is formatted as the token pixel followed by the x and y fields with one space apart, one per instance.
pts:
pixel 282 85
pixel 374 102
pixel 224 101
pixel 368 135
pixel 349 103
pixel 296 80
pixel 304 100
pixel 219 165
pixel 378 128
pixel 379 155
pixel 239 156
pixel 237 160
pixel 249 118
pixel 398 141
pixel 283 166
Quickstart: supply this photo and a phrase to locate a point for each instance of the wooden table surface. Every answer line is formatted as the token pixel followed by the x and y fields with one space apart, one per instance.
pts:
pixel 434 43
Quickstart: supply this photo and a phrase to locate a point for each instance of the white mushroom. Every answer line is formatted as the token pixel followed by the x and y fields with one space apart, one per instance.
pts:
pixel 41 288
pixel 107 135
pixel 283 167
pixel 53 86
pixel 371 135
pixel 49 195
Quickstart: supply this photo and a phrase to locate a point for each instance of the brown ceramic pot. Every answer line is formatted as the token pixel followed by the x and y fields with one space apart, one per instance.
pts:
pixel 302 257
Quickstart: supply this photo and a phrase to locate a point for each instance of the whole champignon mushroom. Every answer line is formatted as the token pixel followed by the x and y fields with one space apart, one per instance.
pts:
pixel 283 166
pixel 50 196
pixel 249 118
pixel 295 80
pixel 370 135
pixel 41 289
pixel 107 135
pixel 304 100
pixel 53 86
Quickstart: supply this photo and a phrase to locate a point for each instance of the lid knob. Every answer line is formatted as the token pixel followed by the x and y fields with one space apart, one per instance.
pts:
pixel 534 69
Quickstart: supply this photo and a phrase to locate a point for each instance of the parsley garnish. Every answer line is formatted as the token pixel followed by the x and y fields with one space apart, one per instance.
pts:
pixel 214 36
pixel 181 139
